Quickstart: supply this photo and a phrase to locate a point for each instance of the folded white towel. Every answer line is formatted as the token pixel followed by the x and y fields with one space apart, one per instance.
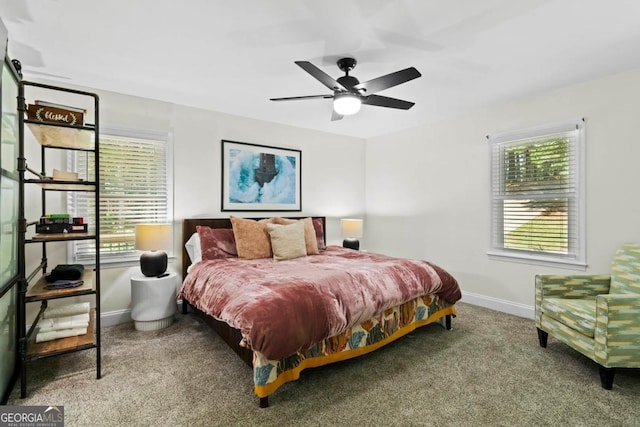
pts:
pixel 62 333
pixel 67 310
pixel 67 322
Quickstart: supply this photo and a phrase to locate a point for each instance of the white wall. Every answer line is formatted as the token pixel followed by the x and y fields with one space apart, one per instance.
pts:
pixel 428 188
pixel 332 173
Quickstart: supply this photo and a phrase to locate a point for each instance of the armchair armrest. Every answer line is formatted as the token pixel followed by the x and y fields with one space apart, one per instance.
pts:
pixel 617 328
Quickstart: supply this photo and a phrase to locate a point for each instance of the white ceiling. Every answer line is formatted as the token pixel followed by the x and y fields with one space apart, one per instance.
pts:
pixel 232 56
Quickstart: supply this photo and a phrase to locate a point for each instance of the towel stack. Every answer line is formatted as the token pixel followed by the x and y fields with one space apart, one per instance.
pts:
pixel 65 321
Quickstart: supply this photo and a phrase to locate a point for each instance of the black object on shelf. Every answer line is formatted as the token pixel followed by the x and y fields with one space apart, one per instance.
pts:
pixel 65 272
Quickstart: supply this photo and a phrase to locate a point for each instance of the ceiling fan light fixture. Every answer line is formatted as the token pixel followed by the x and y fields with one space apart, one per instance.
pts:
pixel 349 94
pixel 346 104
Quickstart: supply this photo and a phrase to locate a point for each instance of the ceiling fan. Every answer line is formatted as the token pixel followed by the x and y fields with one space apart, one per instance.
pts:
pixel 349 94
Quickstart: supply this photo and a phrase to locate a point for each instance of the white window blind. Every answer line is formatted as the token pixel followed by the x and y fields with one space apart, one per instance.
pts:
pixel 135 188
pixel 537 194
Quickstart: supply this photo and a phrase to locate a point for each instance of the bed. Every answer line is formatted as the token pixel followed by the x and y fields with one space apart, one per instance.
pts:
pixel 283 315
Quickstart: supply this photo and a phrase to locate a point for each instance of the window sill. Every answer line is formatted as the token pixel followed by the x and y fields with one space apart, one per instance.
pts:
pixel 124 262
pixel 545 261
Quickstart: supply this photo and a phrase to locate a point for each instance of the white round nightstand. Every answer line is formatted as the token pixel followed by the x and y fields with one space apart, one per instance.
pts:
pixel 153 301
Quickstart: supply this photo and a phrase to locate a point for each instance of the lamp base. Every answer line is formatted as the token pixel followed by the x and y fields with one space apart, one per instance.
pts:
pixel 351 244
pixel 153 263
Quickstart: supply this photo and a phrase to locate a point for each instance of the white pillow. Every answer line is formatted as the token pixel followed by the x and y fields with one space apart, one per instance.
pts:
pixel 193 248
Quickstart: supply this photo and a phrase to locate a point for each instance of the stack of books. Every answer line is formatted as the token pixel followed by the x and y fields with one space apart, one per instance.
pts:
pixel 61 223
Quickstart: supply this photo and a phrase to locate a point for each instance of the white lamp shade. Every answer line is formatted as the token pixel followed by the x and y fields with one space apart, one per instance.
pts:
pixel 153 237
pixel 346 104
pixel 351 228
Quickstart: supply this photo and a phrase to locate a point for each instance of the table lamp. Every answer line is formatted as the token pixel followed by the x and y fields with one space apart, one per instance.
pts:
pixel 351 231
pixel 153 239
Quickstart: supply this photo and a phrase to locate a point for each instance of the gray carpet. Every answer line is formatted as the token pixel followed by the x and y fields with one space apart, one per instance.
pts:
pixel 488 370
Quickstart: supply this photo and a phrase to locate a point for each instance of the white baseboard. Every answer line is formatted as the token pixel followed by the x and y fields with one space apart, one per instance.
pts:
pixel 116 317
pixel 112 318
pixel 505 306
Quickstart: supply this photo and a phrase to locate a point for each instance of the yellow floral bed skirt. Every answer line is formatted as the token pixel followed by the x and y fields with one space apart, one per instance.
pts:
pixel 269 375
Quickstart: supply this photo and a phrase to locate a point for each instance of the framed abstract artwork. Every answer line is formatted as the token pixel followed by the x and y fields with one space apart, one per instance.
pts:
pixel 260 178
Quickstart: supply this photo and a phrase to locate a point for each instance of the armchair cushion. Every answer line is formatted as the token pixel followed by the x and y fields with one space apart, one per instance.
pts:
pixel 625 270
pixel 577 313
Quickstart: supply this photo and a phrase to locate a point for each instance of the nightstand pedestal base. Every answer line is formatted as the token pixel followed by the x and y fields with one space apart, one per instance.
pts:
pixel 153 325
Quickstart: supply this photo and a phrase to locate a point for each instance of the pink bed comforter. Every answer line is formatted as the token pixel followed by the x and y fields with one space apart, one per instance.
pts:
pixel 282 307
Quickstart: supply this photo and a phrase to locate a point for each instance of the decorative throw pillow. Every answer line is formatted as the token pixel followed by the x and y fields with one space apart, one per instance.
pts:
pixel 317 225
pixel 217 242
pixel 311 243
pixel 252 239
pixel 287 241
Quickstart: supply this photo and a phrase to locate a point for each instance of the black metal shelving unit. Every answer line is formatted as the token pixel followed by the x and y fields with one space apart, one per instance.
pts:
pixel 32 287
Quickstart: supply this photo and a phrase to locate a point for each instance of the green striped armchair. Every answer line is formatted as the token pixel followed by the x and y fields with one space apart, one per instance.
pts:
pixel 597 315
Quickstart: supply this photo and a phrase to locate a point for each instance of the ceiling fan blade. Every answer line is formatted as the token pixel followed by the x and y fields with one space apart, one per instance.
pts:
pixel 387 81
pixel 320 75
pixel 335 116
pixel 298 98
pixel 385 101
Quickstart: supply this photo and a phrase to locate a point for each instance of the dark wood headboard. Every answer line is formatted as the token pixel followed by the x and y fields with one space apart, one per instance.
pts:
pixel 189 227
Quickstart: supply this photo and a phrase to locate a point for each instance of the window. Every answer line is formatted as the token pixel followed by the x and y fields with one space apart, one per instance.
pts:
pixel 135 187
pixel 537 194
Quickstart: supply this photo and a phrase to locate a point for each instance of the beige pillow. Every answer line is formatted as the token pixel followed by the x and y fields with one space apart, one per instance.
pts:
pixel 311 243
pixel 252 239
pixel 287 241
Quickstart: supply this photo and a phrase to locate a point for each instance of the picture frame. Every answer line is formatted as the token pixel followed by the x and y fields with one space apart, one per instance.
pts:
pixel 260 177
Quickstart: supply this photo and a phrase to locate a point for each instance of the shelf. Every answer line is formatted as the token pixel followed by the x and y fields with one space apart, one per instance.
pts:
pixel 48 184
pixel 64 345
pixel 39 291
pixel 68 187
pixel 63 136
pixel 60 237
